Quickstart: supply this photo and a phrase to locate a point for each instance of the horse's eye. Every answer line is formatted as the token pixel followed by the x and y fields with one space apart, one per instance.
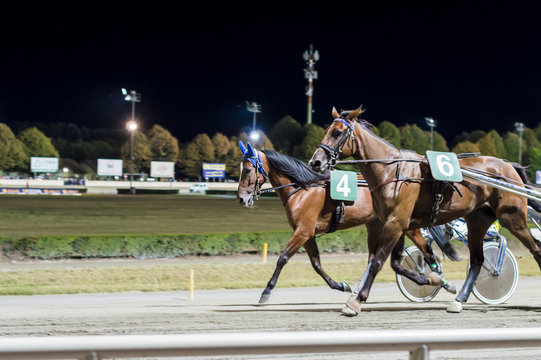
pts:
pixel 336 133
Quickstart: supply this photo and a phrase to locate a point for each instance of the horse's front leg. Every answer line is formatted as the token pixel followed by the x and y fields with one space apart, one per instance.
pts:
pixel 478 224
pixel 388 235
pixel 416 277
pixel 297 240
pixel 313 253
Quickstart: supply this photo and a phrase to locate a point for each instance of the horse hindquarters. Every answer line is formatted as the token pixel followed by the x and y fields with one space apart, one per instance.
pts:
pixel 514 220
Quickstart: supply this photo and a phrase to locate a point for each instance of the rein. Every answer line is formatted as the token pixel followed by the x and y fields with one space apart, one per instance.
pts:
pixel 381 161
pixel 256 161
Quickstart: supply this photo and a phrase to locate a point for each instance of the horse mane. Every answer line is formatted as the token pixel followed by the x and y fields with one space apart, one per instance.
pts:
pixel 367 126
pixel 297 170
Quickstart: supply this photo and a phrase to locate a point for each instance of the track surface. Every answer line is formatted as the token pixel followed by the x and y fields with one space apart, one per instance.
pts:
pixel 297 309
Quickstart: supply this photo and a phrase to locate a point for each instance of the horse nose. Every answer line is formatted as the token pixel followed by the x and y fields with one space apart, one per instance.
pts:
pixel 241 201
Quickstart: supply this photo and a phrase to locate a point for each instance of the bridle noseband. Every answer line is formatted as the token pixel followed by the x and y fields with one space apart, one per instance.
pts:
pixel 336 152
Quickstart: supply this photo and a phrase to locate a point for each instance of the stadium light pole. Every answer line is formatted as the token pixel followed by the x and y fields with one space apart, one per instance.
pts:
pixel 254 108
pixel 432 124
pixel 310 73
pixel 520 128
pixel 132 126
pixel 134 97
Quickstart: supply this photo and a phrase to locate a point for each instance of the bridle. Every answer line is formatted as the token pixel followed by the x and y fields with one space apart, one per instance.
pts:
pixel 259 169
pixel 336 152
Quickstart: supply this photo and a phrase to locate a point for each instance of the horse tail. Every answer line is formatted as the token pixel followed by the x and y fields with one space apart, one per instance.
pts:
pixel 443 243
pixel 521 170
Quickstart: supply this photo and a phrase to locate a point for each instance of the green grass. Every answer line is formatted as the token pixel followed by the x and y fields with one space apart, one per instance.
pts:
pixel 214 275
pixel 142 214
pixel 163 214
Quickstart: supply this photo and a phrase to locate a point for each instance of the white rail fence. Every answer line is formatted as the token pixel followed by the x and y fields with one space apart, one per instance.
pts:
pixel 417 342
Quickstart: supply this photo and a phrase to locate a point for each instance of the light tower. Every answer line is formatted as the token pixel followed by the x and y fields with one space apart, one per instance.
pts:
pixel 432 124
pixel 310 73
pixel 134 97
pixel 254 108
pixel 520 128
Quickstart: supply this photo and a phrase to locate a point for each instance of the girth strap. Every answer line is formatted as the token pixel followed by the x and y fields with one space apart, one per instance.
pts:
pixel 437 191
pixel 337 217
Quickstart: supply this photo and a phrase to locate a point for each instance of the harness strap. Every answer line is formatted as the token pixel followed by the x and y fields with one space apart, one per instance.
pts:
pixel 277 187
pixel 437 190
pixel 406 180
pixel 300 188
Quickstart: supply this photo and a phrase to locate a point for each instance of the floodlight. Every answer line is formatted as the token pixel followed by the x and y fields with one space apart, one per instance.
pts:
pixel 132 125
pixel 254 135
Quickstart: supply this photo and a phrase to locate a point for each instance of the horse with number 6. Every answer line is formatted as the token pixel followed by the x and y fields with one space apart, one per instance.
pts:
pixel 406 197
pixel 310 211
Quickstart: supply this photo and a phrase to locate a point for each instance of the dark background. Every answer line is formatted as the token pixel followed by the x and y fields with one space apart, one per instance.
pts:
pixel 470 65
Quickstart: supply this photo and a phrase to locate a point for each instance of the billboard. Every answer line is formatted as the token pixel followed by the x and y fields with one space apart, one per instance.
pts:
pixel 162 169
pixel 43 164
pixel 213 170
pixel 109 167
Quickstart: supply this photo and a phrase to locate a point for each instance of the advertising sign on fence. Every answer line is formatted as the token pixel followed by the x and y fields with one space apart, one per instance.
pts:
pixel 213 170
pixel 43 164
pixel 162 169
pixel 109 167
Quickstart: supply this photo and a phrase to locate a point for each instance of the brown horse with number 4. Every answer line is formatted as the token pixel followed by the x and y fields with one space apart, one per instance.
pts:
pixel 402 186
pixel 310 211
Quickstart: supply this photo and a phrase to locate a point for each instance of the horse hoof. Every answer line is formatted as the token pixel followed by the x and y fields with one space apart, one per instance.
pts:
pixel 352 308
pixel 454 307
pixel 345 286
pixel 434 279
pixel 450 287
pixel 346 311
pixel 264 298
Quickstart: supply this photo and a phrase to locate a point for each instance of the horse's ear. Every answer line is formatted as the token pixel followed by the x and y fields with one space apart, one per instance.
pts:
pixel 242 148
pixel 356 113
pixel 335 114
pixel 250 152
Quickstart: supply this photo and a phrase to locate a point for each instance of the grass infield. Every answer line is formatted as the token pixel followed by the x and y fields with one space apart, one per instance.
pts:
pixel 28 215
pixel 164 214
pixel 62 279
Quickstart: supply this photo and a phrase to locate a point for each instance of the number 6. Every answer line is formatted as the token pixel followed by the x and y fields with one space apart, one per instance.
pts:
pixel 444 165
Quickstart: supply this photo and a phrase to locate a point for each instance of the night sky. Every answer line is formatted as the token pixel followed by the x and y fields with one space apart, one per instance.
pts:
pixel 470 65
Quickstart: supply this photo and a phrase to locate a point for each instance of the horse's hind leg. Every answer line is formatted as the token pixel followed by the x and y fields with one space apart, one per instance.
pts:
pixel 313 253
pixel 294 244
pixel 478 223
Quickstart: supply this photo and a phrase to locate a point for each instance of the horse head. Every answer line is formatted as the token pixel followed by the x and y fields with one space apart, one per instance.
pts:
pixel 334 144
pixel 252 174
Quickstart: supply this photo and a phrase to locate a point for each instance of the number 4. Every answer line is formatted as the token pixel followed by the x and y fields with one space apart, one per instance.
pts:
pixel 343 186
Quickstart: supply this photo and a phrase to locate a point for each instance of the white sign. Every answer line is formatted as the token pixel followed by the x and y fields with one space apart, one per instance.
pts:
pixel 538 177
pixel 161 169
pixel 43 164
pixel 109 167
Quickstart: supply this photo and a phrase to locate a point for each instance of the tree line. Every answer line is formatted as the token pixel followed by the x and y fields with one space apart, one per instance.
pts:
pixel 287 136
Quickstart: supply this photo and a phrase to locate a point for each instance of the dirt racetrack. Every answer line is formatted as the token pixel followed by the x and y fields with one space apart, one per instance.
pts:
pixel 296 309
